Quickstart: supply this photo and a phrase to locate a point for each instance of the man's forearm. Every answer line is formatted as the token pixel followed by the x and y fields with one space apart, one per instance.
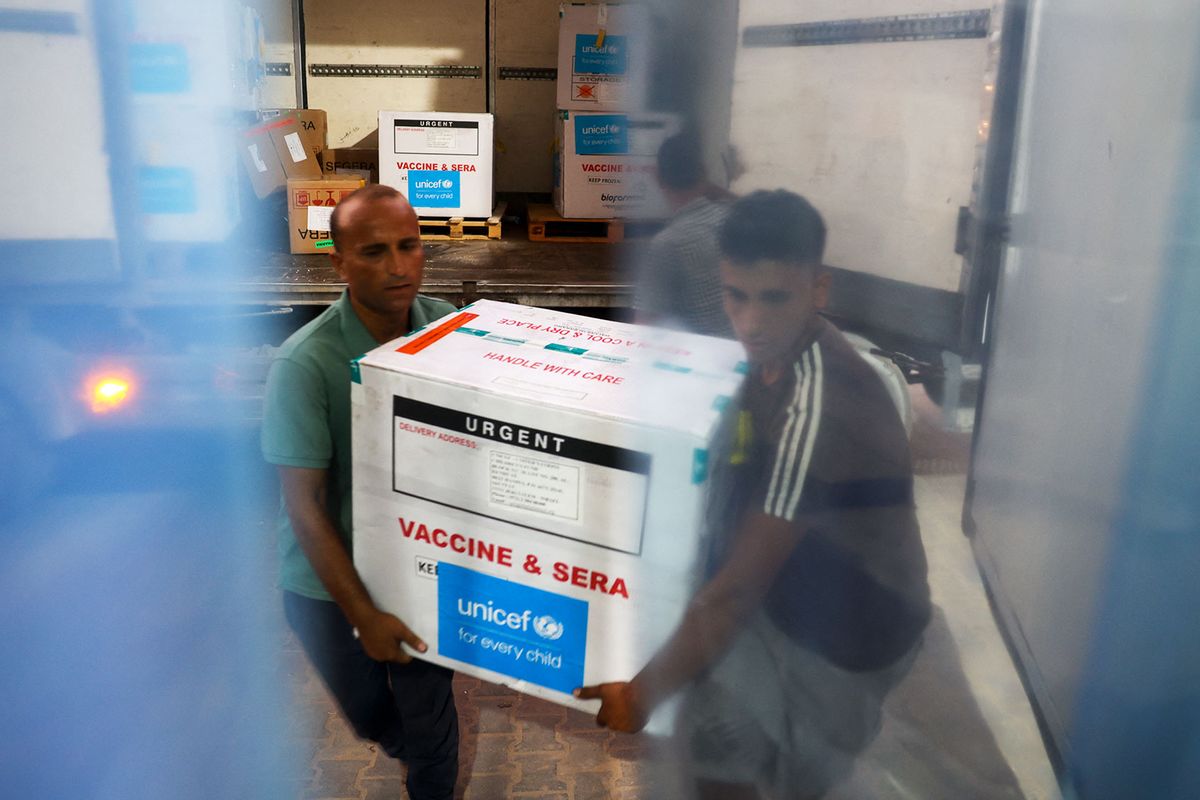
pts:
pixel 332 563
pixel 718 611
pixel 383 635
pixel 703 636
pixel 306 495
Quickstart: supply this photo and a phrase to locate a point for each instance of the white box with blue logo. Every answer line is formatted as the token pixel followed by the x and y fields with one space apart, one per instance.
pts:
pixel 603 53
pixel 605 164
pixel 440 161
pixel 528 489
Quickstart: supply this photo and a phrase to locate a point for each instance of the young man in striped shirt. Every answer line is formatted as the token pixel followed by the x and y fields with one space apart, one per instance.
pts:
pixel 815 594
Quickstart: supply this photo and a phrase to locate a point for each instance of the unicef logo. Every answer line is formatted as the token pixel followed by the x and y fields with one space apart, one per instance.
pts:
pixel 614 128
pixel 547 627
pixel 447 183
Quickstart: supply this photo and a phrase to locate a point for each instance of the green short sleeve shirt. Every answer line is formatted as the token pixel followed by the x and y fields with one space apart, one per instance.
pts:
pixel 306 418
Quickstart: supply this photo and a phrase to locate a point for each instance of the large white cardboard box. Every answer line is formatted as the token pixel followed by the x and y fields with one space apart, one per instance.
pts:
pixel 441 162
pixel 528 488
pixel 605 164
pixel 603 55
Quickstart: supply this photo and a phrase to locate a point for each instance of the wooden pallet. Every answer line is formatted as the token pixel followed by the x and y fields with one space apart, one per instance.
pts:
pixel 545 225
pixel 462 228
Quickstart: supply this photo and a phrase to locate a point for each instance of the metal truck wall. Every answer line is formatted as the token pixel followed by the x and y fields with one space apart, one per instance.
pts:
pixel 279 52
pixel 57 198
pixel 137 612
pixel 879 124
pixel 435 55
pixel 525 56
pixel 692 70
pixel 467 55
pixel 1084 509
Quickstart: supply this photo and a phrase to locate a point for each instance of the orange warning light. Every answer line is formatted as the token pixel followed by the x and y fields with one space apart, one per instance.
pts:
pixel 109 393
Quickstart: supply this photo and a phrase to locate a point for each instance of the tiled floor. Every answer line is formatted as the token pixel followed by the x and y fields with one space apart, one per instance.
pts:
pixel 512 745
pixel 959 726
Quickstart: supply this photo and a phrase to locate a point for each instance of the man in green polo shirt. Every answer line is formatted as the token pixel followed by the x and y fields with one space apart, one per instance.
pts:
pixel 405 705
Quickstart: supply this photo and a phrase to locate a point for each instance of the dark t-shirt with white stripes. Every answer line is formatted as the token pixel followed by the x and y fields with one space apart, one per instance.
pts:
pixel 823 448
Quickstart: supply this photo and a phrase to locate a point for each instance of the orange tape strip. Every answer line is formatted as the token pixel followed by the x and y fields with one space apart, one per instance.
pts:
pixel 266 126
pixel 434 334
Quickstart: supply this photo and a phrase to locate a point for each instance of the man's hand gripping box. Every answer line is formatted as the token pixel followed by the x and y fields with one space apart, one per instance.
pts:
pixel 528 489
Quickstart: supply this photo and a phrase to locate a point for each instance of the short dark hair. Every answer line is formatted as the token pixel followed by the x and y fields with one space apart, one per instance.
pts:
pixel 367 194
pixel 680 164
pixel 778 225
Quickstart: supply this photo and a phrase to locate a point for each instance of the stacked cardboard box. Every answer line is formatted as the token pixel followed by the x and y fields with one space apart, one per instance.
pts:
pixel 359 162
pixel 288 149
pixel 528 485
pixel 606 164
pixel 310 206
pixel 442 162
pixel 602 54
pixel 312 122
pixel 605 148
pixel 276 150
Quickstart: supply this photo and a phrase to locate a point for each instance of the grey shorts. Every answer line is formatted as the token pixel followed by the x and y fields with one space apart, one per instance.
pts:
pixel 779 716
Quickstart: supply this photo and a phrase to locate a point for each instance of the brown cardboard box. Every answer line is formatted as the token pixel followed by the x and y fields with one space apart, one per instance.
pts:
pixel 297 161
pixel 362 162
pixel 309 204
pixel 261 161
pixel 312 122
pixel 273 152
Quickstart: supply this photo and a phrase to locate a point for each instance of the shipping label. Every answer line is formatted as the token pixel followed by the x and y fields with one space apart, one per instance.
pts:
pixel 544 481
pixel 436 137
pixel 159 68
pixel 167 190
pixel 319 218
pixel 533 484
pixel 259 164
pixel 295 147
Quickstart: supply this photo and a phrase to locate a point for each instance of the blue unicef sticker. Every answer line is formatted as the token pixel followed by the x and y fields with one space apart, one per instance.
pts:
pixel 601 134
pixel 434 188
pixel 166 190
pixel 159 68
pixel 610 58
pixel 515 630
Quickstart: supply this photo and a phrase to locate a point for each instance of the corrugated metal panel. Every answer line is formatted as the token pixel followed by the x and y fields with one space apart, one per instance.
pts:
pixel 526 52
pixel 395 33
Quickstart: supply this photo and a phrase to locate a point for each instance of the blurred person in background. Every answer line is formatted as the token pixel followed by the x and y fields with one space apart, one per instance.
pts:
pixel 678 284
pixel 405 705
pixel 815 595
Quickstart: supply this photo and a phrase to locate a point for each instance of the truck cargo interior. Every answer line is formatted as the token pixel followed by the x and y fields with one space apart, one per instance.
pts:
pixel 1009 203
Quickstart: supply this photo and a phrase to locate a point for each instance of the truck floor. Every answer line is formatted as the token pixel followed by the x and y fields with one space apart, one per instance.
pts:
pixel 958 726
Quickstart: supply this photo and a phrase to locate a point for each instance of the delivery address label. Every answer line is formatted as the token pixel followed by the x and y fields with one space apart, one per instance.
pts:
pixel 539 479
pixel 533 484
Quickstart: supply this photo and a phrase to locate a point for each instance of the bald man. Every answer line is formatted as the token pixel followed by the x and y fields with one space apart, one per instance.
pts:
pixel 405 705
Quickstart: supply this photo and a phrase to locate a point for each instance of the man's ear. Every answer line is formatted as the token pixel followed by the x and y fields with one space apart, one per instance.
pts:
pixel 822 283
pixel 335 259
